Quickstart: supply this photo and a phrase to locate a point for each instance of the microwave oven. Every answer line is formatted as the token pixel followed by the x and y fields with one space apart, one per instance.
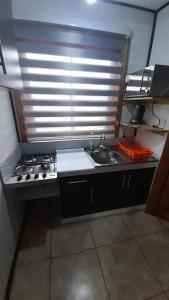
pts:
pixel 152 81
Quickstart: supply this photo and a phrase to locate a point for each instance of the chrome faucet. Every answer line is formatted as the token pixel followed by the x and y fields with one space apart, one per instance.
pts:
pixel 101 146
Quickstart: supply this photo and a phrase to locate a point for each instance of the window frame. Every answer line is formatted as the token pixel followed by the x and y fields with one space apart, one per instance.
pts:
pixel 17 99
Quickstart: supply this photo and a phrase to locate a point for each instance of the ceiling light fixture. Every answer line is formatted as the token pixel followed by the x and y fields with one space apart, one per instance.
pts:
pixel 91 1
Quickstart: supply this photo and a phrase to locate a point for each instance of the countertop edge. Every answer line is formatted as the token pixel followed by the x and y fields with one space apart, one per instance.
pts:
pixel 106 169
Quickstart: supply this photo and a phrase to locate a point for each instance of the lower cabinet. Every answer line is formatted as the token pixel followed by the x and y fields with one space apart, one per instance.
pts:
pixel 137 186
pixel 107 191
pixel 82 195
pixel 76 196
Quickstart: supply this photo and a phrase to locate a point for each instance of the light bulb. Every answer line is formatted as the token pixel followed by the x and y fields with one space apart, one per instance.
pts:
pixel 91 1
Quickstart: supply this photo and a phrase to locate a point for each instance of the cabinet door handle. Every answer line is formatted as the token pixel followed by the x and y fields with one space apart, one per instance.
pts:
pixel 129 181
pixel 124 180
pixel 91 195
pixel 75 182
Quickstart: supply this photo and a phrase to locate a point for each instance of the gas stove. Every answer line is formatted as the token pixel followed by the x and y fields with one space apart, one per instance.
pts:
pixel 34 168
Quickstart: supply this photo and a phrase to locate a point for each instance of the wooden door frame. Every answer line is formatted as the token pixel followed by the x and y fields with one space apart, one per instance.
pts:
pixel 159 183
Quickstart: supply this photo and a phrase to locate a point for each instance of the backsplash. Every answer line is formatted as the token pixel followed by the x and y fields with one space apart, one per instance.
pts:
pixel 44 147
pixel 7 167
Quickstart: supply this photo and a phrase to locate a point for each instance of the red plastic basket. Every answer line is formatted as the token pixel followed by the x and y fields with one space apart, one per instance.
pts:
pixel 134 150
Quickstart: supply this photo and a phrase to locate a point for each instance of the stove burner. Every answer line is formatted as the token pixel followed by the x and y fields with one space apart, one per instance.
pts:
pixel 46 157
pixel 37 159
pixel 34 166
pixel 29 160
pixel 45 167
pixel 22 170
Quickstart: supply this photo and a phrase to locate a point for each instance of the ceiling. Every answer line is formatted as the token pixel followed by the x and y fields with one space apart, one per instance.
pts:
pixel 150 4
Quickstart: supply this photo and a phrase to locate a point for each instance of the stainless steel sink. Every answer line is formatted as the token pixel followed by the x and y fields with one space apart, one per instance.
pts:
pixel 106 157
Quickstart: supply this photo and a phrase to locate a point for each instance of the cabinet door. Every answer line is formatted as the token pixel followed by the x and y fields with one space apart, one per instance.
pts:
pixel 108 189
pixel 138 185
pixel 75 196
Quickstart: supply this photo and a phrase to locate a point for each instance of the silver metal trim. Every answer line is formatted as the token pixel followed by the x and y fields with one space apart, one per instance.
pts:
pixel 95 164
pixel 91 195
pixel 75 182
pixel 109 168
pixel 126 52
pixel 129 181
pixel 124 181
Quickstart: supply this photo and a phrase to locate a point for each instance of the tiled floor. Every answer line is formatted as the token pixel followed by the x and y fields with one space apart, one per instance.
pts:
pixel 120 257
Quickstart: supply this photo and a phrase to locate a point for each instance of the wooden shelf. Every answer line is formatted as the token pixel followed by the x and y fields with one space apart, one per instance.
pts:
pixel 146 100
pixel 145 127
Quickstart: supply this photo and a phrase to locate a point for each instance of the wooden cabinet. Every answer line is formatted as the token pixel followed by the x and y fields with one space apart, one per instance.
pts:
pixel 82 195
pixel 158 200
pixel 10 75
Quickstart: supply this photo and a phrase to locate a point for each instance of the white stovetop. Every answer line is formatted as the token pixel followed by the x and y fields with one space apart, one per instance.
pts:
pixel 72 160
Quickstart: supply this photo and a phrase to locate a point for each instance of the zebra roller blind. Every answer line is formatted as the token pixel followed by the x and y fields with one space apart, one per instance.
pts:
pixel 72 80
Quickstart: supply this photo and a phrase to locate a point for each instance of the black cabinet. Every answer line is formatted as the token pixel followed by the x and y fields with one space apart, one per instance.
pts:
pixel 76 196
pixel 137 186
pixel 107 191
pixel 121 189
pixel 82 195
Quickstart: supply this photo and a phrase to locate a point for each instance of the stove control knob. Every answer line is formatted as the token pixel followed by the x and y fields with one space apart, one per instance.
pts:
pixel 44 175
pixel 36 176
pixel 28 176
pixel 19 178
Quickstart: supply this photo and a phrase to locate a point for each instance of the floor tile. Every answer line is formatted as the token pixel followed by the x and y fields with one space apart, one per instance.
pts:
pixel 35 241
pixel 167 293
pixel 109 229
pixel 165 223
pixel 55 213
pixel 126 272
pixel 31 282
pixel 77 277
pixel 139 223
pixel 156 249
pixel 160 297
pixel 70 238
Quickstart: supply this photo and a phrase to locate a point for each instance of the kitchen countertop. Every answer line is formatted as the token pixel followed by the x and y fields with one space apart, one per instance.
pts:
pixel 76 162
pixel 72 160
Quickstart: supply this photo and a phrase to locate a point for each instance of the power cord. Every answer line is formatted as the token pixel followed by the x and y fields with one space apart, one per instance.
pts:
pixel 124 132
pixel 155 116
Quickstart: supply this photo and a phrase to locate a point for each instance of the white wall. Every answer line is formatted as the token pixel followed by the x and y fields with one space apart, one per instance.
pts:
pixel 101 15
pixel 160 55
pixel 161 41
pixel 10 212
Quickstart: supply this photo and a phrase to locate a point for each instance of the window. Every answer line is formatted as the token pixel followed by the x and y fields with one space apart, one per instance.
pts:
pixel 72 81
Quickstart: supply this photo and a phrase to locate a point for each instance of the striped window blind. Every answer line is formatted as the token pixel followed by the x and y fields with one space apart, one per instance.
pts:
pixel 72 80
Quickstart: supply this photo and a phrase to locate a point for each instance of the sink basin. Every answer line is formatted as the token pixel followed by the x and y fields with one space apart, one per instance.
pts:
pixel 107 157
